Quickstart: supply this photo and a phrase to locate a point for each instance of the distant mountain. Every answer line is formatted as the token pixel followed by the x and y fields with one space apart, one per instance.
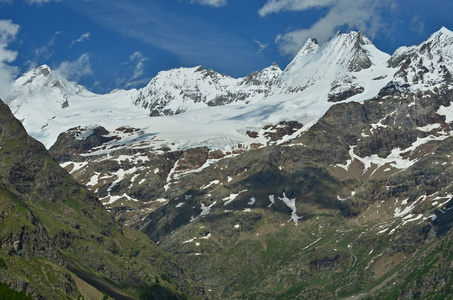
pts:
pixel 329 179
pixel 222 109
pixel 176 91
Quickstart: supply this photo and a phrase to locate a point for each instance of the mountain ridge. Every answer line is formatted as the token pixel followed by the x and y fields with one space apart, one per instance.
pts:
pixel 346 68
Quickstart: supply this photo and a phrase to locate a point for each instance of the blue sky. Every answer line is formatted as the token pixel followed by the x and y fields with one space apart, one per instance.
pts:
pixel 108 44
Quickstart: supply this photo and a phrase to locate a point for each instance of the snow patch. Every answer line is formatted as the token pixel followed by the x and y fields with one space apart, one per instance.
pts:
pixel 311 244
pixel 291 203
pixel 214 182
pixel 206 237
pixel 272 199
pixel 231 198
pixel 205 210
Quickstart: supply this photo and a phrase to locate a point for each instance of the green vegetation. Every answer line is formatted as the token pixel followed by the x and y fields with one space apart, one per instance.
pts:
pixel 157 292
pixel 3 264
pixel 7 293
pixel 58 241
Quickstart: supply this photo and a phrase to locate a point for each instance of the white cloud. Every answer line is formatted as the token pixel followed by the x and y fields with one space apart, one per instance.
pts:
pixel 135 83
pixel 41 1
pixel 74 70
pixel 190 39
pixel 275 6
pixel 139 67
pixel 45 51
pixel 215 3
pixel 417 25
pixel 363 15
pixel 261 45
pixel 139 60
pixel 83 37
pixel 8 32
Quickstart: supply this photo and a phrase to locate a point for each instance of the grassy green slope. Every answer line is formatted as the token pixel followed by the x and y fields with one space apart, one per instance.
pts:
pixel 58 241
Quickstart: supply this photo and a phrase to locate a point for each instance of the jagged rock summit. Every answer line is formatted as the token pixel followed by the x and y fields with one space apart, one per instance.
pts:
pixel 427 65
pixel 176 91
pixel 346 66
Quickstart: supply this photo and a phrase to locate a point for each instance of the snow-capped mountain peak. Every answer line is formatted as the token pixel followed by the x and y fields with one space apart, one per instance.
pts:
pixel 47 103
pixel 442 33
pixel 179 90
pixel 39 75
pixel 336 66
pixel 426 65
pixel 219 110
pixel 44 80
pixel 310 45
pixel 266 77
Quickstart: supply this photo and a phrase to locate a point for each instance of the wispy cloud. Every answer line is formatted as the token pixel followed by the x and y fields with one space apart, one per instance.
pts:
pixel 83 37
pixel 74 70
pixel 8 32
pixel 45 52
pixel 193 41
pixel 276 6
pixel 139 60
pixel 215 3
pixel 260 45
pixel 41 1
pixel 364 15
pixel 417 25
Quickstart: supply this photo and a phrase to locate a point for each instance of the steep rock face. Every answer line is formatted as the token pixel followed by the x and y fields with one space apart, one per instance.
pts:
pixel 27 168
pixel 56 239
pixel 427 65
pixel 192 159
pixel 78 140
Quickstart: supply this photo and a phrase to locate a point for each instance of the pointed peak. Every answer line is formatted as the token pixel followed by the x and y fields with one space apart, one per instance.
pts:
pixel 310 45
pixel 274 66
pixel 445 30
pixel 363 39
pixel 356 37
pixel 44 67
pixel 41 73
pixel 44 70
pixel 441 33
pixel 312 40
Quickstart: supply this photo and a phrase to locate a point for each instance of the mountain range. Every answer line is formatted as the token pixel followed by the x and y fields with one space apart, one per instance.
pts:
pixel 329 179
